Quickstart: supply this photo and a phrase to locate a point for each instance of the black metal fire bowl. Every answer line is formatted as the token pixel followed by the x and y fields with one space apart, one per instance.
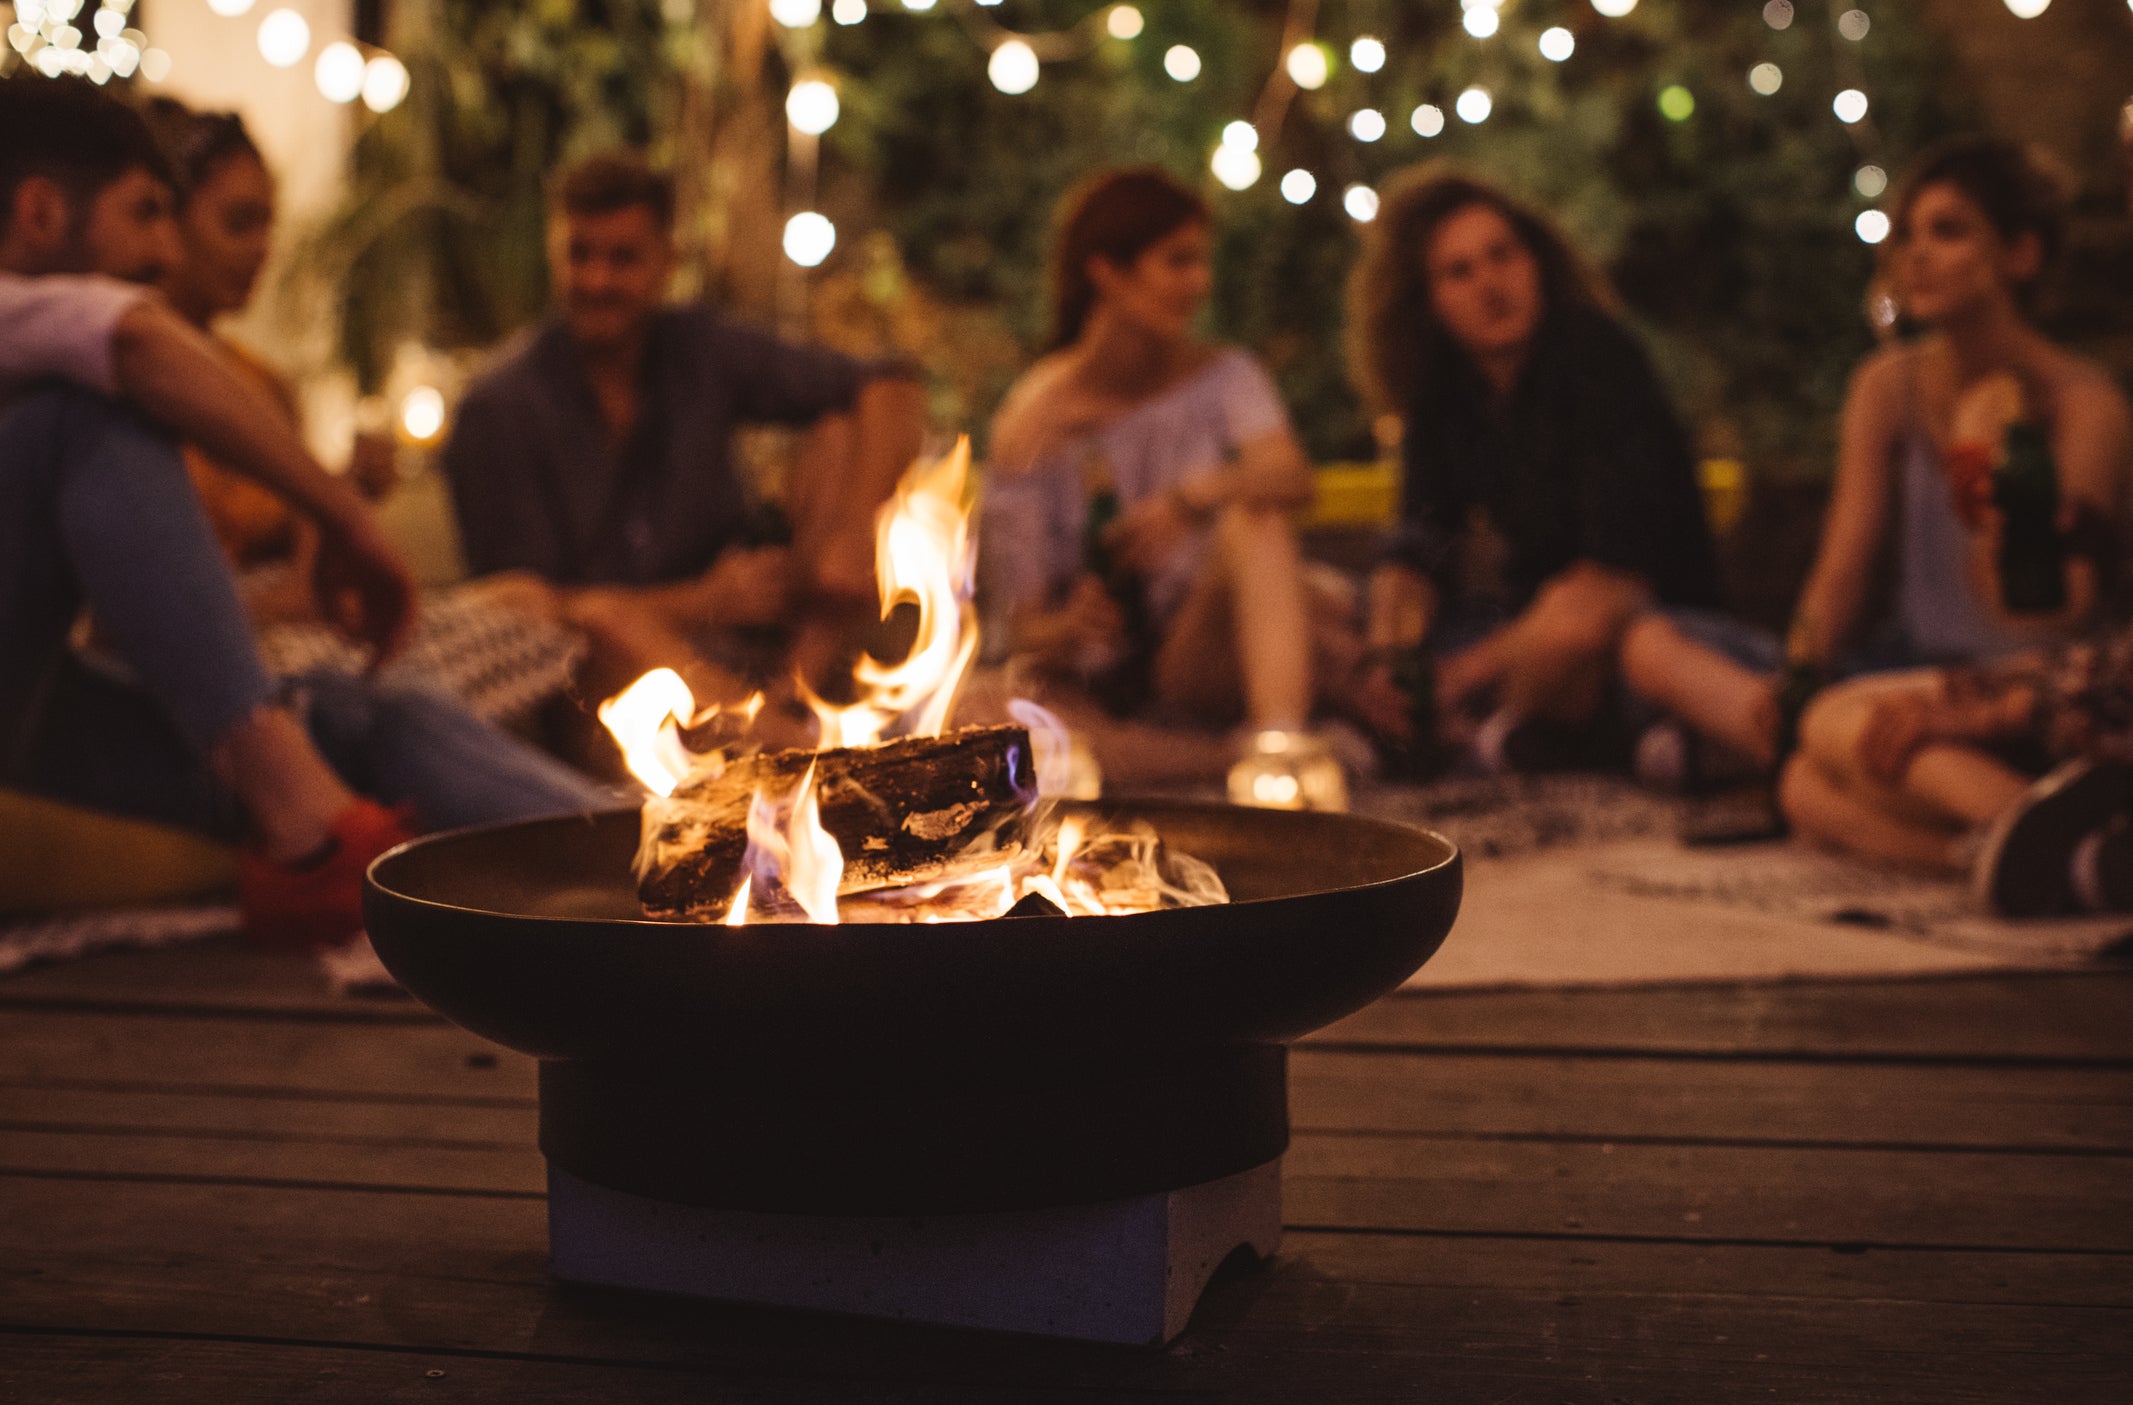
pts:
pixel 896 1068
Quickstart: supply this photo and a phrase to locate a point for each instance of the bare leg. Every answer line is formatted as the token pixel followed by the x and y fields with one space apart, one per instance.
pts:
pixel 292 795
pixel 1719 698
pixel 1823 811
pixel 1560 654
pixel 1245 629
pixel 1946 782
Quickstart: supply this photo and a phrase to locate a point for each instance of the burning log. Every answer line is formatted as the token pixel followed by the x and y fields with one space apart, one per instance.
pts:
pixel 907 811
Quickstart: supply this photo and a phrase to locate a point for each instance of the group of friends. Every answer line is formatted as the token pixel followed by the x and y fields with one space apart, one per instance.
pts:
pixel 1549 597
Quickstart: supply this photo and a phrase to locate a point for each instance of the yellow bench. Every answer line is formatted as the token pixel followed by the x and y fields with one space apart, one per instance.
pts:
pixel 60 858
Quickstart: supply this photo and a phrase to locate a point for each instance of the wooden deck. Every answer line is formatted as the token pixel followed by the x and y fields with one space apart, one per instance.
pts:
pixel 217 1185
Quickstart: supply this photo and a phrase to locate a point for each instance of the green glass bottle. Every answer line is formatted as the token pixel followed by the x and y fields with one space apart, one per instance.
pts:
pixel 2025 488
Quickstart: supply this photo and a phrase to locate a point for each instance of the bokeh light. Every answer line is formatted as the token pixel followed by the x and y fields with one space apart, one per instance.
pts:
pixel 1013 67
pixel 1235 166
pixel 1474 105
pixel 339 72
pixel 1557 44
pixel 284 38
pixel 1368 124
pixel 1872 226
pixel 1850 106
pixel 1361 203
pixel 1124 22
pixel 1308 66
pixel 1298 186
pixel 1182 62
pixel 809 237
pixel 1428 120
pixel 812 106
pixel 1367 54
pixel 1766 78
pixel 385 83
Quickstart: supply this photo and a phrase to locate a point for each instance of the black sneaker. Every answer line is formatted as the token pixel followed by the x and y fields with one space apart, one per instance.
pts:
pixel 2026 867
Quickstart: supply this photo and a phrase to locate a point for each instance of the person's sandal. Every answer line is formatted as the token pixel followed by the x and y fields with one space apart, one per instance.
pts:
pixel 316 904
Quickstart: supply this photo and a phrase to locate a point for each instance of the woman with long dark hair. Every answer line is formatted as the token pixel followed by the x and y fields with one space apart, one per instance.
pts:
pixel 1136 532
pixel 1550 498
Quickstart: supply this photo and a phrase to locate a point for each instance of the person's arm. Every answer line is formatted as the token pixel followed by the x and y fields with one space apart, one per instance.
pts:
pixel 1857 521
pixel 176 376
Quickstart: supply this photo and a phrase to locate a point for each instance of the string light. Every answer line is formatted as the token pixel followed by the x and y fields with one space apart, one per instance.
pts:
pixel 1850 106
pixel 1853 24
pixel 155 65
pixel 1298 186
pixel 1013 67
pixel 848 11
pixel 422 413
pixel 1367 54
pixel 1480 20
pixel 1124 22
pixel 1557 44
pixel 1614 9
pixel 812 106
pixel 1182 62
pixel 2028 9
pixel 1235 166
pixel 1676 103
pixel 1870 181
pixel 1428 120
pixel 1766 78
pixel 284 38
pixel 1361 203
pixel 385 83
pixel 921 6
pixel 809 237
pixel 1368 124
pixel 1474 106
pixel 230 9
pixel 1242 135
pixel 339 72
pixel 796 14
pixel 1872 226
pixel 1778 14
pixel 1308 66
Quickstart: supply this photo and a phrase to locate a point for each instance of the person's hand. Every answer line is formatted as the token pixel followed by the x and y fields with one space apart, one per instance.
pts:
pixel 374 465
pixel 364 588
pixel 749 586
pixel 1399 606
pixel 1146 534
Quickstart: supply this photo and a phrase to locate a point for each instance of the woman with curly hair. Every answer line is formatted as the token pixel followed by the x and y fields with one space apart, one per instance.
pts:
pixel 1550 498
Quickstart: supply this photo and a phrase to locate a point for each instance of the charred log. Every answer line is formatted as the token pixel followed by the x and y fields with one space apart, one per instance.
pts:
pixel 907 811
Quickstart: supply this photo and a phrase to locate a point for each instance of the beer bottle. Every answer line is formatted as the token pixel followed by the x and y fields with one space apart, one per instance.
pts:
pixel 2025 488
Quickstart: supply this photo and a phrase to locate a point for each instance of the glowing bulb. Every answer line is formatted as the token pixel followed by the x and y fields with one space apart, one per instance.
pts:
pixel 809 237
pixel 1013 67
pixel 1778 14
pixel 1428 120
pixel 1872 226
pixel 385 83
pixel 1766 78
pixel 109 23
pixel 848 11
pixel 1361 203
pixel 422 413
pixel 284 38
pixel 1557 44
pixel 920 5
pixel 796 14
pixel 1676 103
pixel 1235 166
pixel 1870 181
pixel 155 65
pixel 2028 9
pixel 1614 9
pixel 1368 124
pixel 1367 54
pixel 1850 106
pixel 811 106
pixel 1853 24
pixel 1242 135
pixel 1182 62
pixel 1474 105
pixel 1298 186
pixel 1480 21
pixel 1308 66
pixel 1124 22
pixel 230 9
pixel 339 72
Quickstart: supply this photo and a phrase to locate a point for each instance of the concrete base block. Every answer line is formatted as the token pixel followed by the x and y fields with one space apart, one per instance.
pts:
pixel 1121 1271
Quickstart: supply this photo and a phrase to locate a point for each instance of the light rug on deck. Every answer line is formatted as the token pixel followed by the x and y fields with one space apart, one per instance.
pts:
pixel 27 940
pixel 1579 880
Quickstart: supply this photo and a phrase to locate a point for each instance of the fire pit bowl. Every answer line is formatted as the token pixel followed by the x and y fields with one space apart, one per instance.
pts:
pixel 1059 1125
pixel 529 934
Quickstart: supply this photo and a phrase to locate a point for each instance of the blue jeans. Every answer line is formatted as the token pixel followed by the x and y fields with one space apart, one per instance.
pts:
pixel 96 509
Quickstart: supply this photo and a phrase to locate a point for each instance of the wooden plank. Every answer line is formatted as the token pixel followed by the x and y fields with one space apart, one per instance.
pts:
pixel 2057 1016
pixel 1630 1098
pixel 220 975
pixel 1351 1182
pixel 1768 1194
pixel 353 1122
pixel 1623 1098
pixel 423 1275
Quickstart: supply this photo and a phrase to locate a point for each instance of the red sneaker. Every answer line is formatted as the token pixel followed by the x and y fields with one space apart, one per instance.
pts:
pixel 320 904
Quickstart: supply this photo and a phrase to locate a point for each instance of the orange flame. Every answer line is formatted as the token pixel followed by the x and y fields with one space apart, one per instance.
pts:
pixel 788 848
pixel 646 719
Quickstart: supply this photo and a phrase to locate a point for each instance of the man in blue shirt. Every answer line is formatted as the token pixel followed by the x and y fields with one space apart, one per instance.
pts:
pixel 595 454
